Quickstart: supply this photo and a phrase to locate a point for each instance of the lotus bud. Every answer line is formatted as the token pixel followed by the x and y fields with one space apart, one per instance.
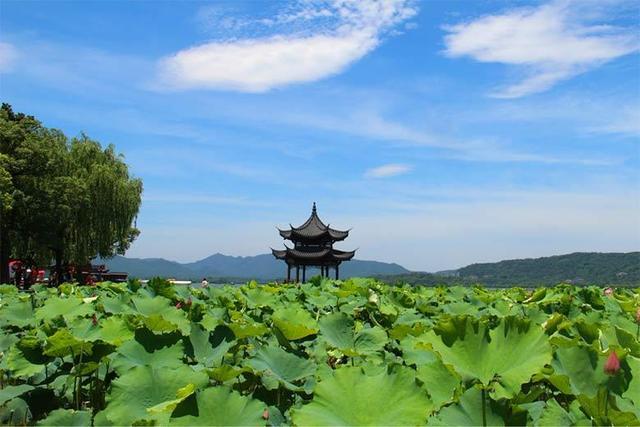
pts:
pixel 188 303
pixel 94 320
pixel 608 292
pixel 178 305
pixel 265 414
pixel 638 316
pixel 612 365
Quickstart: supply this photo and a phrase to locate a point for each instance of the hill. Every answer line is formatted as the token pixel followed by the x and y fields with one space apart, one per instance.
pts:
pixel 578 268
pixel 221 267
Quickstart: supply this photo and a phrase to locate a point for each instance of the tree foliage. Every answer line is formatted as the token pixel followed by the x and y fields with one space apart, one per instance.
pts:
pixel 62 199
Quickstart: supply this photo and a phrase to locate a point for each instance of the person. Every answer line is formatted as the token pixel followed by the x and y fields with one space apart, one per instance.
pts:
pixel 204 282
pixel 89 280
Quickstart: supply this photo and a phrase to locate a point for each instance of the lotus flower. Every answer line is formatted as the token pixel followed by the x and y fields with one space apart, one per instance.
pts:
pixel 178 305
pixel 638 316
pixel 612 365
pixel 265 414
pixel 608 292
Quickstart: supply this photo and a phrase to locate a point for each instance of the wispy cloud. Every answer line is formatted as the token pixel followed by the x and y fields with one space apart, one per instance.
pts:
pixel 348 30
pixel 549 44
pixel 8 56
pixel 389 170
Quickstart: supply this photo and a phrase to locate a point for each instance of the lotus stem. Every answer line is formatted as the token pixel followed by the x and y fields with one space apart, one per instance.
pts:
pixel 484 410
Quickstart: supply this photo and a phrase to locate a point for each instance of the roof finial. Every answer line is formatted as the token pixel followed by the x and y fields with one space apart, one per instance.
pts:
pixel 313 210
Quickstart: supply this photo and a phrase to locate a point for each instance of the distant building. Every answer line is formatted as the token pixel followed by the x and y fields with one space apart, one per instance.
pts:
pixel 313 247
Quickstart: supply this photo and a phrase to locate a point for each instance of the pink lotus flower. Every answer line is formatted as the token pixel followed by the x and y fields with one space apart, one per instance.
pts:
pixel 608 292
pixel 265 414
pixel 178 305
pixel 612 365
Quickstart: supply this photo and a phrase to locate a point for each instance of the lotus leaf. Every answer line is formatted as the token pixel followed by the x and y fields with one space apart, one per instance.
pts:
pixel 280 367
pixel 132 354
pixel 203 349
pixel 350 397
pixel 144 387
pixel 13 391
pixel 294 322
pixel 507 356
pixel 67 417
pixel 467 412
pixel 220 406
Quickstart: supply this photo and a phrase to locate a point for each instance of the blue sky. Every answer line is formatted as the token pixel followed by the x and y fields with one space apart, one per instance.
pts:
pixel 443 132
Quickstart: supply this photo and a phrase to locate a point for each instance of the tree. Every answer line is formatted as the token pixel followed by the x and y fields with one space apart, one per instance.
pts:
pixel 62 199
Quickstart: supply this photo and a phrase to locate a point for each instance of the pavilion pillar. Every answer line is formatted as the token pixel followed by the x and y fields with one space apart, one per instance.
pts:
pixel 288 273
pixel 297 273
pixel 337 272
pixel 322 271
pixel 304 274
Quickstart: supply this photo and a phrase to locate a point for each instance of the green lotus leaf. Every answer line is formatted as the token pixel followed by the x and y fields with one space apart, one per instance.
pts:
pixel 439 381
pixel 220 406
pixel 25 362
pixel 17 313
pixel 169 405
pixel 338 330
pixel 68 308
pixel 144 387
pixel 578 370
pixel 203 350
pixel 6 341
pixel 509 354
pixel 633 392
pixel 350 397
pixel 15 412
pixel 244 328
pixel 62 343
pixel 67 417
pixel 13 391
pixel 132 354
pixel 273 363
pixel 112 330
pixel 555 415
pixel 467 412
pixel 294 322
pixel 160 316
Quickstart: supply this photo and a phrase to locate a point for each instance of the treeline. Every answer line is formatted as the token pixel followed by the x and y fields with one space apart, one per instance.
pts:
pixel 617 269
pixel 61 199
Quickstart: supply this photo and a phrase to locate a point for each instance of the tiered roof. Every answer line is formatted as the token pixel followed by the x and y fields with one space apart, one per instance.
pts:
pixel 313 230
pixel 313 243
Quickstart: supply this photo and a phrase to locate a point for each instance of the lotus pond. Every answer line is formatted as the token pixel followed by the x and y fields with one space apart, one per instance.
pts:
pixel 355 352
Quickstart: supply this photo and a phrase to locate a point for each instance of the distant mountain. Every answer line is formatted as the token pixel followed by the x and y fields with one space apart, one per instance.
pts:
pixel 219 266
pixel 579 268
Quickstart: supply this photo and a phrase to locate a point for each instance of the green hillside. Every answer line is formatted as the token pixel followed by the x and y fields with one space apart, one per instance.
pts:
pixel 578 268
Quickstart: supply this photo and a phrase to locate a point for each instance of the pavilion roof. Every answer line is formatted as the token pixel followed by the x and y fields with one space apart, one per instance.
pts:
pixel 317 254
pixel 313 229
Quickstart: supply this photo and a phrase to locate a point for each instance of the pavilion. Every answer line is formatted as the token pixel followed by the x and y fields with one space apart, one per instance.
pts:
pixel 313 247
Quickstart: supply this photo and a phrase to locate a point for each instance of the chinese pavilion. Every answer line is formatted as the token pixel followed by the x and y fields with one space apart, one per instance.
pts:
pixel 313 247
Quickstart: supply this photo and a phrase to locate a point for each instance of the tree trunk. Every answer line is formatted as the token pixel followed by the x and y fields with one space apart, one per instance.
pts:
pixel 58 255
pixel 5 249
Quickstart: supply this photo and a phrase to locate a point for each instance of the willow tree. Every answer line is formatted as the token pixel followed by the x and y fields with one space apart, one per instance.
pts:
pixel 108 203
pixel 66 200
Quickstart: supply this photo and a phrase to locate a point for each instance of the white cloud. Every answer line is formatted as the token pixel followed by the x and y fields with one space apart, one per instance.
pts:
pixel 258 64
pixel 385 171
pixel 8 56
pixel 549 43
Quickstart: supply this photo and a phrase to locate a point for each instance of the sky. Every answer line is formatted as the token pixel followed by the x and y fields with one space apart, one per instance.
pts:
pixel 442 132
